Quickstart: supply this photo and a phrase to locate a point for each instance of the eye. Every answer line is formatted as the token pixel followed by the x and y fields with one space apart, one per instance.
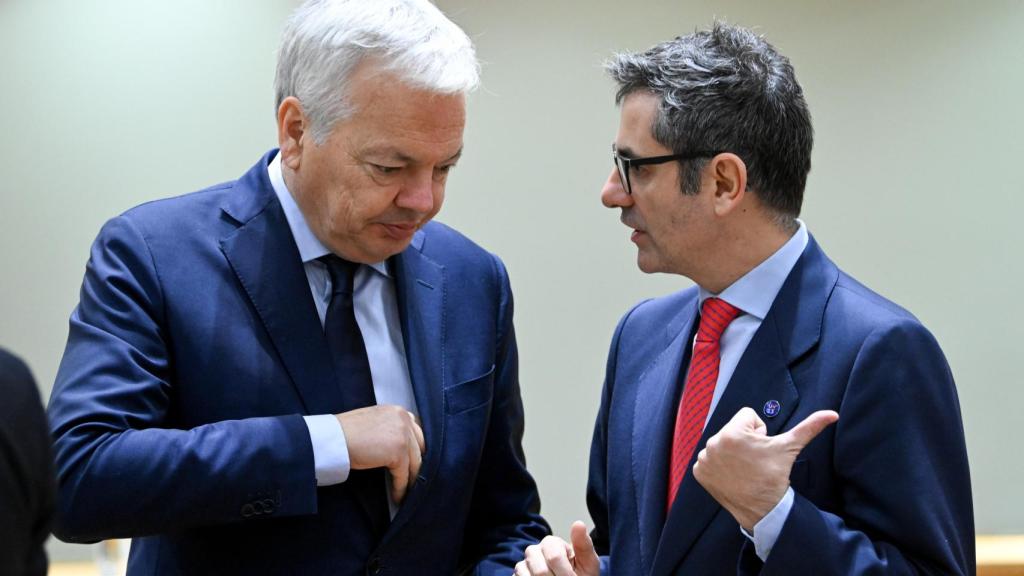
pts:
pixel 441 172
pixel 384 170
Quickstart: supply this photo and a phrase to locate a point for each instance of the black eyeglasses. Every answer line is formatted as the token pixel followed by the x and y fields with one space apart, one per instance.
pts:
pixel 623 164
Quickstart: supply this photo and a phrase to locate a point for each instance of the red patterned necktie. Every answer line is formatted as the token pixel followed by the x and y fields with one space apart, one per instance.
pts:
pixel 715 316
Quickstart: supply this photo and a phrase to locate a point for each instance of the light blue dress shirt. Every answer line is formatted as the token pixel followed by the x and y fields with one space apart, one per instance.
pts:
pixel 754 294
pixel 376 309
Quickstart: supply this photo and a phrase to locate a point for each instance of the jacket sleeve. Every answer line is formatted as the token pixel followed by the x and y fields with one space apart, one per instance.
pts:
pixel 123 470
pixel 597 481
pixel 26 472
pixel 901 461
pixel 505 513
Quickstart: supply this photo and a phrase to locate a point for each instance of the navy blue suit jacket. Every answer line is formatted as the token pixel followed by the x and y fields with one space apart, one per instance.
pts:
pixel 886 490
pixel 27 488
pixel 193 354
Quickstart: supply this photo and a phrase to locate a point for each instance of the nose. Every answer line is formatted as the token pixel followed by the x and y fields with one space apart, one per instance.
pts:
pixel 613 195
pixel 417 193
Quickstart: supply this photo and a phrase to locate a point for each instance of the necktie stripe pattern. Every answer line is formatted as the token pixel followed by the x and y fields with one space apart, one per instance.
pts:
pixel 715 317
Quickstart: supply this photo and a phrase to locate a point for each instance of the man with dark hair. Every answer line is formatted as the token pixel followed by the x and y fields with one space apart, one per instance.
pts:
pixel 299 372
pixel 26 472
pixel 778 417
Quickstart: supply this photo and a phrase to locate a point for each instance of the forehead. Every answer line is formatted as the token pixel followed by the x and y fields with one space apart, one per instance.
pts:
pixel 636 122
pixel 390 113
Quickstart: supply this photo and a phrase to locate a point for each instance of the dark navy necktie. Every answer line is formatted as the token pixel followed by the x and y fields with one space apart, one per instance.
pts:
pixel 348 353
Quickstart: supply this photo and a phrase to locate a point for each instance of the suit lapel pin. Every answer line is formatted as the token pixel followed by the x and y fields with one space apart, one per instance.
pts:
pixel 771 408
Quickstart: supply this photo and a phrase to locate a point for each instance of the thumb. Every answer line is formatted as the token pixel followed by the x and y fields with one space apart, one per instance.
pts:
pixel 802 434
pixel 586 561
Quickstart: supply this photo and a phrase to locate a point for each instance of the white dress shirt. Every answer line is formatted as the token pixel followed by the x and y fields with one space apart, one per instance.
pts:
pixel 754 294
pixel 376 310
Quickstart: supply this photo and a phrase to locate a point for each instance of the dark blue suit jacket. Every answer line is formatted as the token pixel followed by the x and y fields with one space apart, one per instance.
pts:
pixel 886 490
pixel 192 356
pixel 27 487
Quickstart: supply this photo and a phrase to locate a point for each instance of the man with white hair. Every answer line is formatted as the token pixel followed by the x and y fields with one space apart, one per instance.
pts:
pixel 298 372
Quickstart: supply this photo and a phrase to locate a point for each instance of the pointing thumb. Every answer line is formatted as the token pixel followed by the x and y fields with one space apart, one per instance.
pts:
pixel 586 561
pixel 802 434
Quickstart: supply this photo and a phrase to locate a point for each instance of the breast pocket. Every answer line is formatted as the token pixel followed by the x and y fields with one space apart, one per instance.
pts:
pixel 470 394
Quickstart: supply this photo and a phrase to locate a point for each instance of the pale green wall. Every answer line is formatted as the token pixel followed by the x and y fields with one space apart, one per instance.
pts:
pixel 914 191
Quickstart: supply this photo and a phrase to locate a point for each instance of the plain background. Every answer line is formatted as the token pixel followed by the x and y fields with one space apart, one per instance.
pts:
pixel 915 188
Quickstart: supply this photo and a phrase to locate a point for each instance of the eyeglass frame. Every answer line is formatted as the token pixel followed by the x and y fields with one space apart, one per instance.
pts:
pixel 623 164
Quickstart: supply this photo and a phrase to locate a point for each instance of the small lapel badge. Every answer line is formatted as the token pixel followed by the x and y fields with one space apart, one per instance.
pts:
pixel 771 408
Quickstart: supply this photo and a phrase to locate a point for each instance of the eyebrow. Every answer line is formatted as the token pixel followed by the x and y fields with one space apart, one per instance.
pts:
pixel 396 155
pixel 625 151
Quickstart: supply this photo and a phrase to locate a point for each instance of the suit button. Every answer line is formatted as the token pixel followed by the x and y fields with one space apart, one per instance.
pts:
pixel 248 511
pixel 374 567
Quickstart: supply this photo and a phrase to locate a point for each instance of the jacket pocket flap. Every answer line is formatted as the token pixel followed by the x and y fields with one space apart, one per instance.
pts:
pixel 469 394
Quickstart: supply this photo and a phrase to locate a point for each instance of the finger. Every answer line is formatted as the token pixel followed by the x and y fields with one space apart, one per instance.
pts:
pixel 418 431
pixel 698 472
pixel 535 562
pixel 521 569
pixel 555 554
pixel 802 434
pixel 746 419
pixel 415 458
pixel 399 479
pixel 587 561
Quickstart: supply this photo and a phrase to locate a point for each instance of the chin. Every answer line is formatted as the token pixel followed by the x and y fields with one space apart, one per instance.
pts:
pixel 646 266
pixel 385 250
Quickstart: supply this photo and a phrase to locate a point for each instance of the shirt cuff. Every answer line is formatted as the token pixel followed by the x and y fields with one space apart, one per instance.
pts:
pixel 330 450
pixel 766 532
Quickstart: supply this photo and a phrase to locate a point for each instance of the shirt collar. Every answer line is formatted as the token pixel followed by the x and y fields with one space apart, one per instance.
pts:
pixel 310 247
pixel 756 290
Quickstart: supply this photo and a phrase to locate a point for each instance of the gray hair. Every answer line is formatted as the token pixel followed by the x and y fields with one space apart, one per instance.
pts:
pixel 727 90
pixel 324 41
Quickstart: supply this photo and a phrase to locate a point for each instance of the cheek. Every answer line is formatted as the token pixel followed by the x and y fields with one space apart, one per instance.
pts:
pixel 672 225
pixel 337 212
pixel 342 203
pixel 438 199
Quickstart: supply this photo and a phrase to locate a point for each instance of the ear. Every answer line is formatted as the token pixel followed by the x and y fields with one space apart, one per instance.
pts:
pixel 728 174
pixel 292 131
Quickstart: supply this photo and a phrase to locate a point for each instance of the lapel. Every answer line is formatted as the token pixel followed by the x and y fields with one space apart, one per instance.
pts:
pixel 421 291
pixel 791 328
pixel 263 255
pixel 653 421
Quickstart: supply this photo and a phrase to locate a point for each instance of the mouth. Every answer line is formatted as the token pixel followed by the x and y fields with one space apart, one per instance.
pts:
pixel 400 230
pixel 637 232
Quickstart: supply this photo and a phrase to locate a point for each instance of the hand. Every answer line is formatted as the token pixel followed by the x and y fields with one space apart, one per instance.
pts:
pixel 385 436
pixel 746 470
pixel 556 556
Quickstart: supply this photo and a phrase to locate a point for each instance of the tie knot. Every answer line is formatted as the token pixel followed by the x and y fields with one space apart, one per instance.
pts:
pixel 342 273
pixel 715 316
